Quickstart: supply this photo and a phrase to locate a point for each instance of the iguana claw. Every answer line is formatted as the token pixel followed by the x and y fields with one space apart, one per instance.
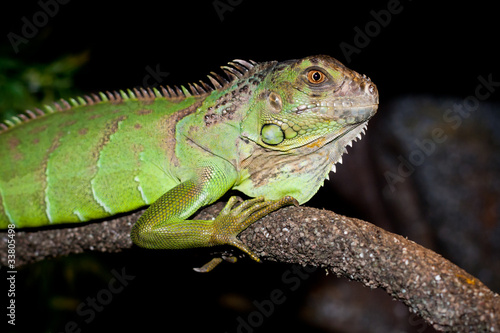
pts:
pixel 233 219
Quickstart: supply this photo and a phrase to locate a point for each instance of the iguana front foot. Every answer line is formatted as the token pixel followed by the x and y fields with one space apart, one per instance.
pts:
pixel 233 219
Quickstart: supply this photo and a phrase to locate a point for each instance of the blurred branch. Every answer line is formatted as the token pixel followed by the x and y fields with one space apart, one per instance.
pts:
pixel 443 294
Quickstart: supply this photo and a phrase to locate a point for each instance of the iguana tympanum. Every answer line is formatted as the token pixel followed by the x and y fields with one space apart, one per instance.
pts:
pixel 272 130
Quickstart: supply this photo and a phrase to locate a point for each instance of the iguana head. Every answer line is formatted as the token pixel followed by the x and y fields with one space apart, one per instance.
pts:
pixel 301 101
pixel 303 115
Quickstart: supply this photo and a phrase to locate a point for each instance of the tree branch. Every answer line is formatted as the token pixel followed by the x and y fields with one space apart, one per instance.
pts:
pixel 443 294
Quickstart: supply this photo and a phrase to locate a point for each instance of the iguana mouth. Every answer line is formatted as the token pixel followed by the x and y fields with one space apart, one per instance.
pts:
pixel 353 126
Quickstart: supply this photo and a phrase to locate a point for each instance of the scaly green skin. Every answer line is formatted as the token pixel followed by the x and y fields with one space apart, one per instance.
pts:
pixel 273 131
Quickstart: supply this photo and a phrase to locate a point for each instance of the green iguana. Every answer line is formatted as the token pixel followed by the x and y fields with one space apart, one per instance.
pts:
pixel 272 130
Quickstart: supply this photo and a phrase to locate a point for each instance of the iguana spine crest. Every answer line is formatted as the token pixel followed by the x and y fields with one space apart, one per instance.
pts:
pixel 235 70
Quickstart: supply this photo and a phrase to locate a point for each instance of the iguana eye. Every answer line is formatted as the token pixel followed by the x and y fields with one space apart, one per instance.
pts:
pixel 315 76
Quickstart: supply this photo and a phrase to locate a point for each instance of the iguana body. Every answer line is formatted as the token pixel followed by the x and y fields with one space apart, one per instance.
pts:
pixel 273 131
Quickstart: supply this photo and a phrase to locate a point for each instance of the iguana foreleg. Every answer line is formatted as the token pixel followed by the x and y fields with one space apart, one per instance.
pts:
pixel 164 224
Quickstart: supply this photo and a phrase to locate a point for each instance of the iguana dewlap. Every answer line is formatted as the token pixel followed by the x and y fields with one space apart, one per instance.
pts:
pixel 272 130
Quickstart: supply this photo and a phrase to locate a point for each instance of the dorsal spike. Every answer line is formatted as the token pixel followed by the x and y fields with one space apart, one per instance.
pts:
pixel 243 69
pixel 144 94
pixel 103 96
pixel 199 89
pixel 67 106
pixel 231 73
pixel 157 93
pixel 178 91
pixel 31 114
pixel 164 92
pixel 74 102
pixel 88 100
pixel 151 93
pixel 9 123
pixel 124 95
pixel 81 100
pixel 215 83
pixel 193 89
pixel 137 93
pixel 219 78
pixel 234 70
pixel 248 64
pixel 49 108
pixel 206 87
pixel 23 117
pixel 171 92
pixel 131 94
pixel 110 96
pixel 57 106
pixel 185 91
pixel 95 98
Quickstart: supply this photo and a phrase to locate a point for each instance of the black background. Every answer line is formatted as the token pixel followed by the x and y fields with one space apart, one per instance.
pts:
pixel 425 48
pixel 431 48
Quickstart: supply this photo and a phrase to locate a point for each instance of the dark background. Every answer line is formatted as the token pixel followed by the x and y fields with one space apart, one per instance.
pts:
pixel 422 50
pixel 425 48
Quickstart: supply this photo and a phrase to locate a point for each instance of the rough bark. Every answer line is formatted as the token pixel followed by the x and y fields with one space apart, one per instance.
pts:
pixel 443 294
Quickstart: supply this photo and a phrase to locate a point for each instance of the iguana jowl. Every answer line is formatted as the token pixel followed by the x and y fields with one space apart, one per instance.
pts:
pixel 273 131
